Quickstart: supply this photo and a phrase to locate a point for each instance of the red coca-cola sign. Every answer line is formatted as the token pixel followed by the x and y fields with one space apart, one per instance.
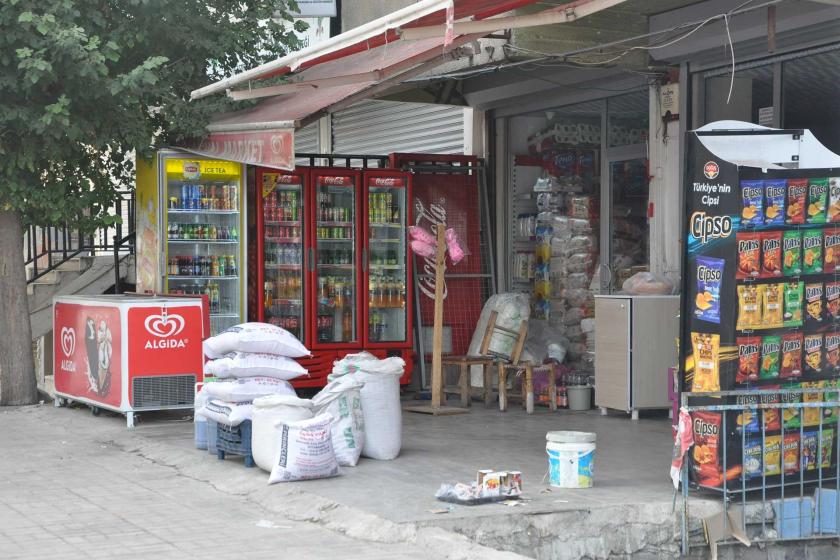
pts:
pixel 165 340
pixel 335 181
pixel 386 182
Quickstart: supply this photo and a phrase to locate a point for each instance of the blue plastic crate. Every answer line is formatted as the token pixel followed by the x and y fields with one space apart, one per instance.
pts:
pixel 796 519
pixel 825 518
pixel 212 434
pixel 235 440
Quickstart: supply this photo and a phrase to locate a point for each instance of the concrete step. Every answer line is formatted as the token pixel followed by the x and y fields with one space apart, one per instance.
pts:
pixel 50 278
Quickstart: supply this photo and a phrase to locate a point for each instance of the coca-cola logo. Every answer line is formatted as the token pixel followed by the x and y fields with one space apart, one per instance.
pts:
pixel 68 340
pixel 386 181
pixel 164 325
pixel 711 170
pixel 335 180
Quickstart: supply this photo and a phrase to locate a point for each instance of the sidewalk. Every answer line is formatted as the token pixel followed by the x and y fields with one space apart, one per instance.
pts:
pixel 73 486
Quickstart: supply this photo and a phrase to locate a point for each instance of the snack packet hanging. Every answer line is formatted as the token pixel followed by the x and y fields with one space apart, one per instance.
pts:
pixel 814 303
pixel 749 307
pixel 817 200
pixel 772 305
pixel 791 356
pixel 752 458
pixel 790 453
pixel 792 253
pixel 770 416
pixel 771 347
pixel 813 347
pixel 775 192
pixel 705 462
pixel 752 198
pixel 832 353
pixel 791 414
pixel 709 279
pixel 793 304
pixel 796 200
pixel 834 199
pixel 812 240
pixel 749 255
pixel 749 350
pixel 832 301
pixel 811 416
pixel 772 455
pixel 706 349
pixel 771 254
pixel 816 449
pixel 831 250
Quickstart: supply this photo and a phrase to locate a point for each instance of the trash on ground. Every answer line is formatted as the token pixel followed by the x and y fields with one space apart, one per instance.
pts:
pixel 488 487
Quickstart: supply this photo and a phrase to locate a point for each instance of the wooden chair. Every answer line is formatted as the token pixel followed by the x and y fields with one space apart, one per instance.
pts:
pixel 483 359
pixel 508 364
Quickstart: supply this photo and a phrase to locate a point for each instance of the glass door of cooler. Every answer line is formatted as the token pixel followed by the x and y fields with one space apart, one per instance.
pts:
pixel 203 226
pixel 283 248
pixel 387 258
pixel 335 258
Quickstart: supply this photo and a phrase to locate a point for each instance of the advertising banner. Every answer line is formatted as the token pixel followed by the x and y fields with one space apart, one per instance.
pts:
pixel 165 341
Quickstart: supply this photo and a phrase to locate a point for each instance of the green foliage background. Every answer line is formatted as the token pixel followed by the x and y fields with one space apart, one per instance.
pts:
pixel 84 83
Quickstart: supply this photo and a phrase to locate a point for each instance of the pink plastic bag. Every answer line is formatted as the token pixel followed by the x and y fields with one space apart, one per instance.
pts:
pixel 453 244
pixel 419 234
pixel 423 249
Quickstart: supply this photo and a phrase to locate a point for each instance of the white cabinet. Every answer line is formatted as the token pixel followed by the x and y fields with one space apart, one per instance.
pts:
pixel 634 347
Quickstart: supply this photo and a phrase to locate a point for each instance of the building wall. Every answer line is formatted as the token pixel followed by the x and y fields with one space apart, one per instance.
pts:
pixel 357 12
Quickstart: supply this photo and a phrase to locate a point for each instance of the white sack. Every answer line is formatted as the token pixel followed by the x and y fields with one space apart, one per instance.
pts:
pixel 304 451
pixel 243 364
pixel 380 401
pixel 246 389
pixel 342 400
pixel 227 413
pixel 512 308
pixel 255 337
pixel 268 412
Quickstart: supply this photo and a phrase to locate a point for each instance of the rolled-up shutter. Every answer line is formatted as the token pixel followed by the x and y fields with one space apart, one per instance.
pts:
pixel 307 141
pixel 382 127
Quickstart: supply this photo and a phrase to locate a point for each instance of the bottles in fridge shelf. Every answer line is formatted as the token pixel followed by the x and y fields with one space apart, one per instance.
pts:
pixel 335 291
pixel 201 232
pixel 283 253
pixel 328 211
pixel 284 285
pixel 386 292
pixel 282 206
pixel 383 209
pixel 212 265
pixel 335 256
pixel 212 197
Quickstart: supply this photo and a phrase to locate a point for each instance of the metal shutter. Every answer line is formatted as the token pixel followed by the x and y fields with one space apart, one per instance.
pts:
pixel 382 127
pixel 307 141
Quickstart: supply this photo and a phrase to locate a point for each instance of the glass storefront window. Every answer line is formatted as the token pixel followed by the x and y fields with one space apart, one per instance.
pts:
pixel 627 117
pixel 752 90
pixel 811 96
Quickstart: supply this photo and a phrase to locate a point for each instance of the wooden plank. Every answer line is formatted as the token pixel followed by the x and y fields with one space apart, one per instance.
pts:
pixel 437 330
pixel 440 411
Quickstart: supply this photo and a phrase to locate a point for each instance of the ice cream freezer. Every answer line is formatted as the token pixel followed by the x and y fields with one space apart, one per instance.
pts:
pixel 129 353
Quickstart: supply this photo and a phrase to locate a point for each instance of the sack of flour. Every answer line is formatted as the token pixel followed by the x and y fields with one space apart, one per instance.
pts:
pixel 246 389
pixel 227 413
pixel 269 413
pixel 244 364
pixel 304 451
pixel 342 400
pixel 255 337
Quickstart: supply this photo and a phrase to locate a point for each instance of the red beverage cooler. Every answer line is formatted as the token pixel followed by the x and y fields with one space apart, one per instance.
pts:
pixel 332 262
pixel 128 353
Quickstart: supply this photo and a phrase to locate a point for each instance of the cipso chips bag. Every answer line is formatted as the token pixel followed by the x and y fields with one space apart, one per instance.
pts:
pixel 772 420
pixel 775 193
pixel 793 304
pixel 792 253
pixel 772 455
pixel 752 197
pixel 813 346
pixel 816 449
pixel 705 457
pixel 817 200
pixel 812 240
pixel 709 278
pixel 832 301
pixel 749 350
pixel 772 305
pixel 749 307
pixel 752 458
pixel 791 356
pixel 790 415
pixel 771 254
pixel 832 352
pixel 706 349
pixel 771 347
pixel 814 303
pixel 812 415
pixel 834 199
pixel 796 200
pixel 831 250
pixel 790 453
pixel 749 255
pixel 747 420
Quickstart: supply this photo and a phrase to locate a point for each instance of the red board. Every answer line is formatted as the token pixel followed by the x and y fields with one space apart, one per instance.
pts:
pixel 87 350
pixel 165 340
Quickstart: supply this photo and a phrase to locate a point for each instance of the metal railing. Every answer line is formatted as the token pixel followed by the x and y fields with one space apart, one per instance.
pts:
pixel 762 492
pixel 45 248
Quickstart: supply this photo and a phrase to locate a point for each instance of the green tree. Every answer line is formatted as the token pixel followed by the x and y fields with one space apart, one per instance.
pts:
pixel 83 85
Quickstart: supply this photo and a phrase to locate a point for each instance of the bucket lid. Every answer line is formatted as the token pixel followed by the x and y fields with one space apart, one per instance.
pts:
pixel 570 437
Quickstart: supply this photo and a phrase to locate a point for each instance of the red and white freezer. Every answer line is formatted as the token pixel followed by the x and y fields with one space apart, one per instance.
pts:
pixel 128 353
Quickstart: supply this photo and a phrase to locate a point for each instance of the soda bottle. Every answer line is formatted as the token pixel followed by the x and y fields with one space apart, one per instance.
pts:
pixel 222 266
pixel 214 233
pixel 233 233
pixel 214 298
pixel 185 196
pixel 231 266
pixel 214 266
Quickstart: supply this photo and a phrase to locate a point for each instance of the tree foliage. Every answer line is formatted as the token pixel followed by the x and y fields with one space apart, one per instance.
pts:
pixel 84 83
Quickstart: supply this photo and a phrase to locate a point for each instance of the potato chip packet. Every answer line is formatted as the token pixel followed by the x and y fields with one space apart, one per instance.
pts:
pixel 793 304
pixel 832 301
pixel 811 416
pixel 752 198
pixel 709 279
pixel 812 240
pixel 747 419
pixel 772 455
pixel 833 199
pixel 771 254
pixel 817 201
pixel 792 253
pixel 749 350
pixel 790 415
pixel 771 416
pixel 814 303
pixel 790 453
pixel 771 347
pixel 772 302
pixel 705 458
pixel 813 347
pixel 752 458
pixel 796 200
pixel 832 353
pixel 749 255
pixel 831 250
pixel 706 362
pixel 749 307
pixel 791 356
pixel 775 193
pixel 815 449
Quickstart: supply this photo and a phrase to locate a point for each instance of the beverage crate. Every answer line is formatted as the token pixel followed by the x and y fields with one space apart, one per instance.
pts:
pixel 235 440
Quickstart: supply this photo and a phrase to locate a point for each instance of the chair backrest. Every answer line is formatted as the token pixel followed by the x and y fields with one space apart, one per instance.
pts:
pixel 518 337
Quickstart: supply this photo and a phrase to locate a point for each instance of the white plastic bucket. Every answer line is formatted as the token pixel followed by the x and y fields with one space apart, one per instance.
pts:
pixel 571 459
pixel 580 397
